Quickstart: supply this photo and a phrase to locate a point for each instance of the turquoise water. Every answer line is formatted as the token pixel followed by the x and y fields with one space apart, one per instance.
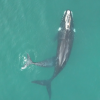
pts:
pixel 30 26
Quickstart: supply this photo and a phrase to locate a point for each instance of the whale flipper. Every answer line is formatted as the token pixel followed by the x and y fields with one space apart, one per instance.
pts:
pixel 46 83
pixel 46 63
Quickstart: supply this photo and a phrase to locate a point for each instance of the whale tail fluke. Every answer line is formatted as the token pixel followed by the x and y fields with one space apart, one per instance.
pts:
pixel 28 62
pixel 46 83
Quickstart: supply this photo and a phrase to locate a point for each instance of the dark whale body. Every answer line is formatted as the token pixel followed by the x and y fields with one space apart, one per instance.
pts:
pixel 65 41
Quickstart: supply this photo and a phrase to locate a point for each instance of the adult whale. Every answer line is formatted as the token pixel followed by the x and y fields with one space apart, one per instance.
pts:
pixel 65 41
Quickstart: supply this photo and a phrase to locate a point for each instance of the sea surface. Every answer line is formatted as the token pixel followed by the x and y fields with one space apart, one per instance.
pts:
pixel 30 26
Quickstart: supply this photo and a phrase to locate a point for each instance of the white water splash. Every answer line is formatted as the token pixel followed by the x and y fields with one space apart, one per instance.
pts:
pixel 24 61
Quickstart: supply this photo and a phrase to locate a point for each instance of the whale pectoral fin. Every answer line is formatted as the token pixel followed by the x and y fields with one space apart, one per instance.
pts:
pixel 55 38
pixel 46 83
pixel 46 63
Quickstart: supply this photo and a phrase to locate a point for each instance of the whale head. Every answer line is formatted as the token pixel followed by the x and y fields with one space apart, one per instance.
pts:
pixel 67 20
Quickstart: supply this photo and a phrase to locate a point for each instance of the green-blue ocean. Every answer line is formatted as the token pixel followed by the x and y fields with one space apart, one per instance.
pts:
pixel 30 26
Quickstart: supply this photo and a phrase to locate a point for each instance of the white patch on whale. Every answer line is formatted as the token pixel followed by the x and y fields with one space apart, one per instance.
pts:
pixel 74 30
pixel 72 13
pixel 64 12
pixel 67 20
pixel 59 28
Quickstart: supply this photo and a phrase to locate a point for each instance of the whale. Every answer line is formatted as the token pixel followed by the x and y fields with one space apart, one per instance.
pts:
pixel 65 37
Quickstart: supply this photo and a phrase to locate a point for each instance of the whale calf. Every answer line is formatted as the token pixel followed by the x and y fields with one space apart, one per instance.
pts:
pixel 65 39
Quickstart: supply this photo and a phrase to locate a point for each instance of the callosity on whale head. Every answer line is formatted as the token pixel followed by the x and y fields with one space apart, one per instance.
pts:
pixel 67 22
pixel 67 19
